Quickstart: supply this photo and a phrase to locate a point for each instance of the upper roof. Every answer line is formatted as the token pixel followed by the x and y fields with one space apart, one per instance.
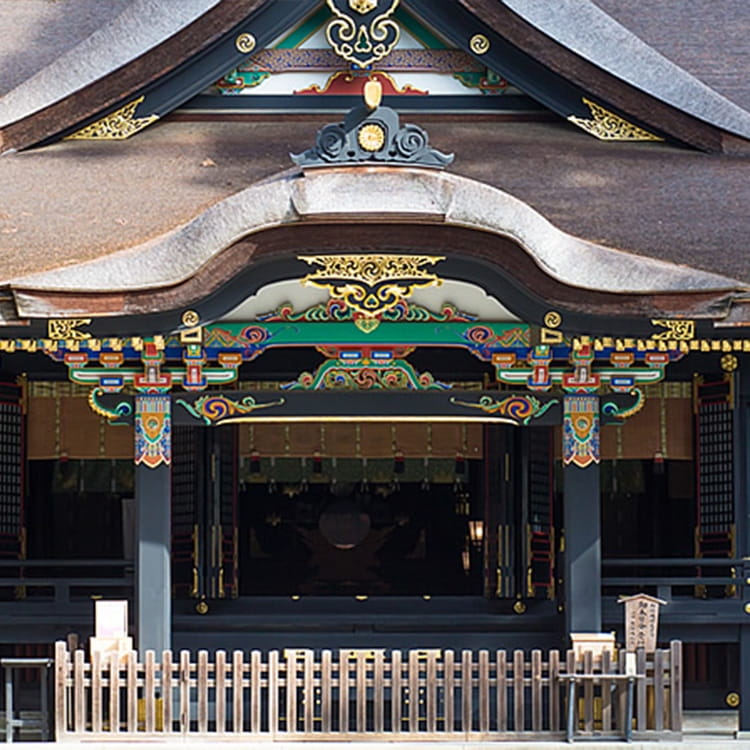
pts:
pixel 561 53
pixel 708 38
pixel 596 35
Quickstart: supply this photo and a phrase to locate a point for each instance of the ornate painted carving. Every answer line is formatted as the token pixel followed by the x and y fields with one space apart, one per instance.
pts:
pixel 371 285
pixel 612 409
pixel 581 430
pixel 153 431
pixel 347 83
pixel 483 341
pixel 519 409
pixel 366 368
pixel 338 311
pixel 122 410
pixel 217 409
pixel 607 126
pixel 362 31
pixel 117 126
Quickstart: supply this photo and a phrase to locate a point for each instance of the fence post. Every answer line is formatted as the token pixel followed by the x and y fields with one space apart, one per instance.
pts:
pixel 449 681
pixel 62 667
pixel 184 692
pixel 79 693
pixel 167 669
pixel 553 690
pixel 325 692
pixel 220 677
pixel 519 707
pixel 675 685
pixel 237 688
pixel 467 687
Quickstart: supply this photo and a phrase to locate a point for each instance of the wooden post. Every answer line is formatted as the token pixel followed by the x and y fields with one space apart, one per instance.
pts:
pixel 62 669
pixel 742 516
pixel 582 512
pixel 153 458
pixel 583 609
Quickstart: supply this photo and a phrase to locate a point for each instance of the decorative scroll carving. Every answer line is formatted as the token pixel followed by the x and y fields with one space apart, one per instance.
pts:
pixel 372 136
pixel 607 126
pixel 394 375
pixel 216 409
pixel 153 431
pixel 520 409
pixel 612 409
pixel 122 410
pixel 677 330
pixel 116 126
pixel 68 329
pixel 366 37
pixel 581 430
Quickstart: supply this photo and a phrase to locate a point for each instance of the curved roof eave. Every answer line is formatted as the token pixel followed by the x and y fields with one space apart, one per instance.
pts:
pixel 401 194
pixel 139 28
pixel 584 28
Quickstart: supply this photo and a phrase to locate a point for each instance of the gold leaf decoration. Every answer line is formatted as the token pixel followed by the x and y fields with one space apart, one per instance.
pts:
pixel 117 126
pixel 607 126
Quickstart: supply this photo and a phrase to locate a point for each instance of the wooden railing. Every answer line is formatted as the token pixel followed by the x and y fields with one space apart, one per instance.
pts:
pixel 366 694
pixel 694 577
pixel 64 581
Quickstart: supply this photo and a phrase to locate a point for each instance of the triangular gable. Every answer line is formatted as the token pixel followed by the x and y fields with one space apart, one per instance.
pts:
pixel 302 63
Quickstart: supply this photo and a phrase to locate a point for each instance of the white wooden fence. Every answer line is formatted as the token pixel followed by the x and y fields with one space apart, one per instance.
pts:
pixel 358 694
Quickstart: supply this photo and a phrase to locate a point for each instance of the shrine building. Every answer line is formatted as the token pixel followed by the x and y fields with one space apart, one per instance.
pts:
pixel 377 325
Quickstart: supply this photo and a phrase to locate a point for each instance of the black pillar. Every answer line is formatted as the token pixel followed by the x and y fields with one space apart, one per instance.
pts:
pixel 583 557
pixel 742 505
pixel 153 523
pixel 582 514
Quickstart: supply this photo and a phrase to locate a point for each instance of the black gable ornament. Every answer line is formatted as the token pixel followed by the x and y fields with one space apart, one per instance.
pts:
pixel 371 133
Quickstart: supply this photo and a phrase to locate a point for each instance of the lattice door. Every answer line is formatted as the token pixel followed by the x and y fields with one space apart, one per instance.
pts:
pixel 186 579
pixel 713 401
pixel 223 565
pixel 12 530
pixel 540 515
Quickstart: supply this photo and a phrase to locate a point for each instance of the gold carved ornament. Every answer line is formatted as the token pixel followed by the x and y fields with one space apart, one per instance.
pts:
pixel 357 42
pixel 607 126
pixel 67 329
pixel 677 330
pixel 116 126
pixel 371 284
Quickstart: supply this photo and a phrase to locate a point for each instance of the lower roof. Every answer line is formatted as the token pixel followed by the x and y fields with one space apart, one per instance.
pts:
pixel 72 203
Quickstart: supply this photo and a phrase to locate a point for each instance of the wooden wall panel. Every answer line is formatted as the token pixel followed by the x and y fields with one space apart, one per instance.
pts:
pixel 66 426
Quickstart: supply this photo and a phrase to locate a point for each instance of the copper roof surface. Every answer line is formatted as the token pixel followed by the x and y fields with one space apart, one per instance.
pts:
pixel 74 202
pixel 708 38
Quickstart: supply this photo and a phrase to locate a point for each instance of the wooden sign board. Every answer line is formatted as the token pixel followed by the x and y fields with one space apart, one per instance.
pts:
pixel 641 621
pixel 596 643
pixel 111 618
pixel 111 628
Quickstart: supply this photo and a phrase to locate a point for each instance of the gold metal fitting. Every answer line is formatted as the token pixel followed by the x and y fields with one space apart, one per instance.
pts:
pixel 732 700
pixel 479 44
pixel 519 607
pixel 245 42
